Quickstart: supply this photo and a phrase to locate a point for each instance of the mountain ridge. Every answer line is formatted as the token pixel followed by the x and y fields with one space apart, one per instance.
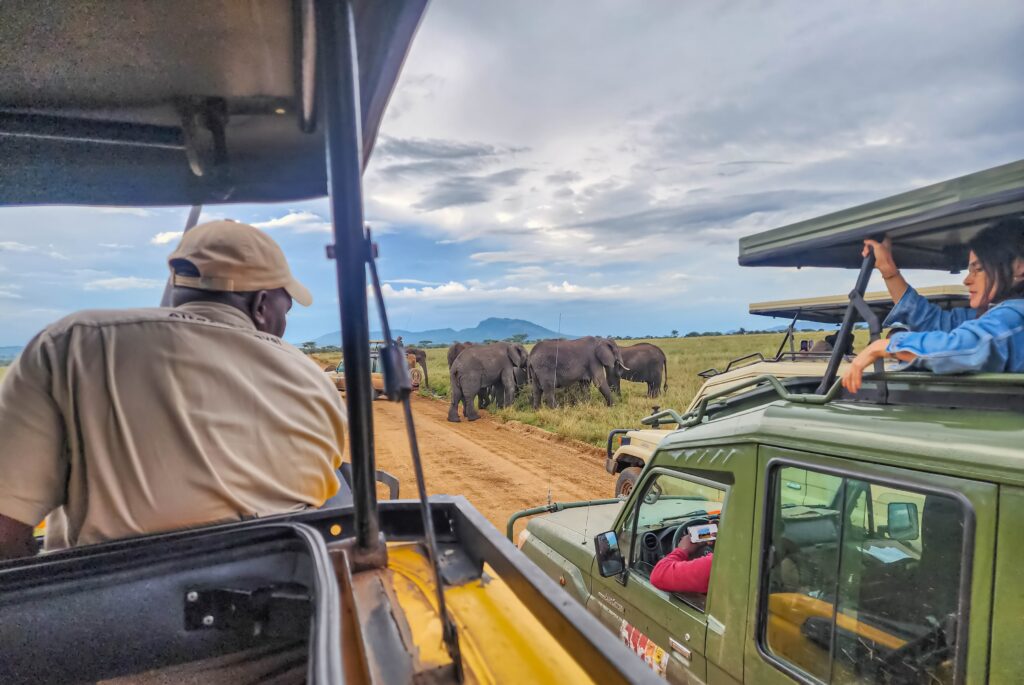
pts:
pixel 492 328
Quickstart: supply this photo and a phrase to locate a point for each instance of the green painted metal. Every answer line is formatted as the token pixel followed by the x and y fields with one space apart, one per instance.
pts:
pixel 929 225
pixel 552 508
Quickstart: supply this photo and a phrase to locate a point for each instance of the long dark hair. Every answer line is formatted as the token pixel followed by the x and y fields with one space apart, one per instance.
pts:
pixel 997 247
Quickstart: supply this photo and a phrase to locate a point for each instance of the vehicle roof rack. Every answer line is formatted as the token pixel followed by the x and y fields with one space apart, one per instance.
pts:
pixel 829 309
pixel 930 226
pixel 181 103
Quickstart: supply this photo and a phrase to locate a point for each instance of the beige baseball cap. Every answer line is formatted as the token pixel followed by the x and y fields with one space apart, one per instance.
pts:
pixel 234 257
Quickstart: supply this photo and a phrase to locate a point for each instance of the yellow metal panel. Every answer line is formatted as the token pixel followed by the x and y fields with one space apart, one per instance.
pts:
pixel 501 641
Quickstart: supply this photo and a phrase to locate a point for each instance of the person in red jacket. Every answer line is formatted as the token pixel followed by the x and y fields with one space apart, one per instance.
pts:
pixel 679 571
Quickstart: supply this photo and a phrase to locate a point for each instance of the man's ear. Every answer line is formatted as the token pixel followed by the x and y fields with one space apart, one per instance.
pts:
pixel 258 310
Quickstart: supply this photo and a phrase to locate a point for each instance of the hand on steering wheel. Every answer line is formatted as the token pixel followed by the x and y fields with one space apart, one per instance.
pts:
pixel 681 540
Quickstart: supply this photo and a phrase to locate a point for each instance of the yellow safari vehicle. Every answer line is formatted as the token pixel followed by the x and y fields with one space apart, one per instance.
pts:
pixel 629 449
pixel 192 102
pixel 376 371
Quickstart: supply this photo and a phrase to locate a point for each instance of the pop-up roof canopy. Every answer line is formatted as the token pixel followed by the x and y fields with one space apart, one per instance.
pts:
pixel 930 226
pixel 830 309
pixel 187 102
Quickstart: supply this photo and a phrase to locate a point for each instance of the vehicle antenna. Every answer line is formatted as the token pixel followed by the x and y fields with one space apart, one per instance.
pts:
pixel 190 223
pixel 398 388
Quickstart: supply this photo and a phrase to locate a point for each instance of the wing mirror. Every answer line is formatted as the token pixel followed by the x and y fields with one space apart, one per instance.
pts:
pixel 609 558
pixel 903 521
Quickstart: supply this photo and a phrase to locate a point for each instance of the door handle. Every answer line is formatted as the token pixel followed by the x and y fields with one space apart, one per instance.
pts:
pixel 679 648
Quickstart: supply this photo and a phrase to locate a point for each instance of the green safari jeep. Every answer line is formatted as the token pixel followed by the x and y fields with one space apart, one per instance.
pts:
pixel 864 538
pixel 629 450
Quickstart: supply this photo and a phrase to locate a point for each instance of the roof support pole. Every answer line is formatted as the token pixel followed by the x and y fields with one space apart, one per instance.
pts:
pixel 336 44
pixel 849 319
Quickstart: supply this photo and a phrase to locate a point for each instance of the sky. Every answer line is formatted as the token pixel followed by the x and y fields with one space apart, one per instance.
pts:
pixel 589 165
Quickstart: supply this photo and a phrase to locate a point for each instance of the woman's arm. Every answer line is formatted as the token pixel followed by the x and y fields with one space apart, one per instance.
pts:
pixel 894 281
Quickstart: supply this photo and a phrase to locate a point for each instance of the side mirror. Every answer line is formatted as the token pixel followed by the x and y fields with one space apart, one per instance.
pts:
pixel 903 522
pixel 609 558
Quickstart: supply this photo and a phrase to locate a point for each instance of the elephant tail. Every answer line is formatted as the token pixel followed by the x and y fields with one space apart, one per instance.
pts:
pixel 665 366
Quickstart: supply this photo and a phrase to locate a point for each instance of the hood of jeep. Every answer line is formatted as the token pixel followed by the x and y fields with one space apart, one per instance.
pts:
pixel 648 439
pixel 571 532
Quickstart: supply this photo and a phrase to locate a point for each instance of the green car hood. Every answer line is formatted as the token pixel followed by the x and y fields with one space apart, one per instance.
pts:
pixel 571 532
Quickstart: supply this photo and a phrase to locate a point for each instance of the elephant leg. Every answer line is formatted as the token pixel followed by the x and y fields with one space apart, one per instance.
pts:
pixel 453 410
pixel 602 385
pixel 535 403
pixel 508 386
pixel 470 409
pixel 549 390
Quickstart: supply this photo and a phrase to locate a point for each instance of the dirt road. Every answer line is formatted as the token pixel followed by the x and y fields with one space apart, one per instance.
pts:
pixel 500 468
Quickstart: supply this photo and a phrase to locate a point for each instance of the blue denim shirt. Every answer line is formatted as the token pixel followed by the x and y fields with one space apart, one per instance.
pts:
pixel 958 340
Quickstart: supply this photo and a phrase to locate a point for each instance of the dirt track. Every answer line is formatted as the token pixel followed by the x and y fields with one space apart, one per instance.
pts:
pixel 500 468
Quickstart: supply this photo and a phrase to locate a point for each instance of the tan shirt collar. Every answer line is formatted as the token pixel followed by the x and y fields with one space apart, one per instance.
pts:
pixel 220 313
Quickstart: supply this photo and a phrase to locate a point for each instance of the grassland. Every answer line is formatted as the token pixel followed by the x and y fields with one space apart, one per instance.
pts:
pixel 588 418
pixel 3 370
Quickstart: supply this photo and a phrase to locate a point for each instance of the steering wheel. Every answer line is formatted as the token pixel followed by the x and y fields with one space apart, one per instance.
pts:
pixel 682 529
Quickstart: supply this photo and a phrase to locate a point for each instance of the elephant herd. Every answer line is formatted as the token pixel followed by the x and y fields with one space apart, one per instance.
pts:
pixel 498 371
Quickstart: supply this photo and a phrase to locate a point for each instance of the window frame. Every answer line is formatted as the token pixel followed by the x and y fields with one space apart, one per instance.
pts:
pixel 772 468
pixel 632 521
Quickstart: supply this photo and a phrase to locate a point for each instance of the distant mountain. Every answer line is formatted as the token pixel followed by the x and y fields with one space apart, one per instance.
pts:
pixel 488 329
pixel 7 354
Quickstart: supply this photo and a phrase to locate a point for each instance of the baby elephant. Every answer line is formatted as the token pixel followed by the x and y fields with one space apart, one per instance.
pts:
pixel 479 367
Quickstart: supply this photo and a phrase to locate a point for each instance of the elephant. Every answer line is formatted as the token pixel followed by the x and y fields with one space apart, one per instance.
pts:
pixel 646 363
pixel 455 349
pixel 584 360
pixel 421 359
pixel 479 367
pixel 496 392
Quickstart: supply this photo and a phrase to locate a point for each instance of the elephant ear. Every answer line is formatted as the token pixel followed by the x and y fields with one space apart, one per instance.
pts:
pixel 606 353
pixel 515 355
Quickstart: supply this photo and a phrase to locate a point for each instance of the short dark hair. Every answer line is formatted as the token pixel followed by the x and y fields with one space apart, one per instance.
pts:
pixel 997 247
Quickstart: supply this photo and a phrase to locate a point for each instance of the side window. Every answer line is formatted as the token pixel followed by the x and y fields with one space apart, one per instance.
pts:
pixel 863 579
pixel 668 506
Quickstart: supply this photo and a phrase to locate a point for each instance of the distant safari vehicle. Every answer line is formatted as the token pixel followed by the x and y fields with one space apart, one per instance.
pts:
pixel 376 371
pixel 629 450
pixel 872 537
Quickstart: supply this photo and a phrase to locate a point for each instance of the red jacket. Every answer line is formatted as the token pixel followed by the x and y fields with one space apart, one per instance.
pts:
pixel 676 573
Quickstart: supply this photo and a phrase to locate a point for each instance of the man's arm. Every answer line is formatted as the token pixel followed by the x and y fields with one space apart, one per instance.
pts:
pixel 677 573
pixel 16 539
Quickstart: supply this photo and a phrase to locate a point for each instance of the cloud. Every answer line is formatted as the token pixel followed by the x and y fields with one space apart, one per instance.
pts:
pixel 467 190
pixel 476 291
pixel 133 211
pixel 10 292
pixel 12 246
pixel 297 222
pixel 124 283
pixel 410 281
pixel 166 237
pixel 435 148
pixel 115 246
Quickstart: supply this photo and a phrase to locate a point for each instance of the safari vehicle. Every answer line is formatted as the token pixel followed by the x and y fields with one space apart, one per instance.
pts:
pixel 174 103
pixel 376 371
pixel 633 448
pixel 862 538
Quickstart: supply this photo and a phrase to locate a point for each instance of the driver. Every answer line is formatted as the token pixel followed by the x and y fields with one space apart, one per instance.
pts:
pixel 682 570
pixel 125 422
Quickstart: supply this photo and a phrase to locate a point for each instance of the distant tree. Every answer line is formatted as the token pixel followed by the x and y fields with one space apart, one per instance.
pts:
pixel 742 331
pixel 308 347
pixel 426 343
pixel 517 338
pixel 490 340
pixel 675 333
pixel 693 334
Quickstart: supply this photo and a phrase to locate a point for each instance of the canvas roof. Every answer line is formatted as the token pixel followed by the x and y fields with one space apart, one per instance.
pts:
pixel 103 102
pixel 830 308
pixel 930 226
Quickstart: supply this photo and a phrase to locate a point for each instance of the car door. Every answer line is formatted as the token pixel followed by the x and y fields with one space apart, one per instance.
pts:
pixel 867 573
pixel 667 630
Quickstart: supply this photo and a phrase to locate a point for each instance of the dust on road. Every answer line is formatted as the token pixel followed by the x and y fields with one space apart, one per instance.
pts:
pixel 500 468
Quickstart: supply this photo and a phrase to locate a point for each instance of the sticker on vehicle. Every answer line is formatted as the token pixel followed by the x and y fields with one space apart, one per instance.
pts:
pixel 645 648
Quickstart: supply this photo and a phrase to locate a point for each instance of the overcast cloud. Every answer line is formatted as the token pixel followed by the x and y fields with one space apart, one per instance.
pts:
pixel 597 160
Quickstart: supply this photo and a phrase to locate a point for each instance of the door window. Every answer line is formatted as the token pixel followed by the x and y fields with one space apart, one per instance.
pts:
pixel 862 580
pixel 669 508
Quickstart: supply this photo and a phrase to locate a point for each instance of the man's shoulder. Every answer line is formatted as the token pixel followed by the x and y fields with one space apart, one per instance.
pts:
pixel 108 317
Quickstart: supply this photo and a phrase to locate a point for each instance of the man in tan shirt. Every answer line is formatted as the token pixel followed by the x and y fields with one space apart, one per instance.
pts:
pixel 125 422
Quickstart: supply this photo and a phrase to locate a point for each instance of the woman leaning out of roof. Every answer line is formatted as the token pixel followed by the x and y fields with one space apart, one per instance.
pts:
pixel 987 337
